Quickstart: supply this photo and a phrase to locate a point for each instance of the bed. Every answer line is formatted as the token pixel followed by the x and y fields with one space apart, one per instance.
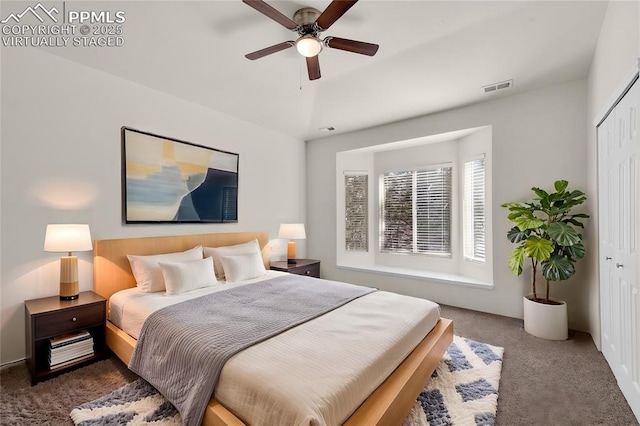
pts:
pixel 386 405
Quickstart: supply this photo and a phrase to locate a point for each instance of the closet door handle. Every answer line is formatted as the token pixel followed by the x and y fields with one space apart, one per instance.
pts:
pixel 607 258
pixel 618 265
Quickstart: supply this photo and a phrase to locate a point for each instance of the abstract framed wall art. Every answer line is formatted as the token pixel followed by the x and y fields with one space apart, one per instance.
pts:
pixel 165 180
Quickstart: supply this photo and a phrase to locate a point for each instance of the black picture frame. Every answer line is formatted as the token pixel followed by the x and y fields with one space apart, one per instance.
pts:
pixel 167 180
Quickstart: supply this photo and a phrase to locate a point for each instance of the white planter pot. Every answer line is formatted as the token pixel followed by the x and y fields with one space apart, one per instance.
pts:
pixel 546 321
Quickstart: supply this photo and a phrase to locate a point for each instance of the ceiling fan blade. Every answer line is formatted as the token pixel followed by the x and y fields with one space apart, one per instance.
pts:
pixel 333 12
pixel 313 67
pixel 272 13
pixel 354 46
pixel 269 50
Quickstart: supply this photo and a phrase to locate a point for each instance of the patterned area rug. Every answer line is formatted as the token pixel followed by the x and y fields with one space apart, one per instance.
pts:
pixel 464 388
pixel 462 391
pixel 137 403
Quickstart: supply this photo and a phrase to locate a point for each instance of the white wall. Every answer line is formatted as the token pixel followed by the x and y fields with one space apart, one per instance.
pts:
pixel 614 60
pixel 538 137
pixel 61 162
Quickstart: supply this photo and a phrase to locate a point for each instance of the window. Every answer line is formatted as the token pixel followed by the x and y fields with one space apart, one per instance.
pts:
pixel 416 211
pixel 418 208
pixel 473 214
pixel 356 212
pixel 397 213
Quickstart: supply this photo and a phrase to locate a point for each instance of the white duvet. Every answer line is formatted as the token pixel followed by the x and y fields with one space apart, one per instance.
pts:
pixel 315 374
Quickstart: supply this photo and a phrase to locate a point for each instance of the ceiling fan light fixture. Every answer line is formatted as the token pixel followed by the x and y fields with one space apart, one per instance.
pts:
pixel 308 45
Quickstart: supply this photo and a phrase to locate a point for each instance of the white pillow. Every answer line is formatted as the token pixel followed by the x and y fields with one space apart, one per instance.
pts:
pixel 218 252
pixel 147 272
pixel 243 267
pixel 180 277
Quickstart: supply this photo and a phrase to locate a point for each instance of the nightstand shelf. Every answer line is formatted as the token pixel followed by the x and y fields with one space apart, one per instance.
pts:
pixel 307 267
pixel 51 317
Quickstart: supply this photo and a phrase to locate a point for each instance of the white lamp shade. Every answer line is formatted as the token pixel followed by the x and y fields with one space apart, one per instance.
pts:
pixel 308 46
pixel 292 231
pixel 67 237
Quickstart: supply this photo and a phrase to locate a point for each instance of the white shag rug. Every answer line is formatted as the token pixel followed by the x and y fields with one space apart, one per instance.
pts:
pixel 462 391
pixel 464 388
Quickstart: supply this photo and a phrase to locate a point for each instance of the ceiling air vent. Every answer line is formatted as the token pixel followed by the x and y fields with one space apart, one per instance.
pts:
pixel 498 86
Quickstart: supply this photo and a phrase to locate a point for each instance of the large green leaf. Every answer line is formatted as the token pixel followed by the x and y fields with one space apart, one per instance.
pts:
pixel 538 248
pixel 572 219
pixel 554 211
pixel 576 194
pixel 555 196
pixel 545 204
pixel 563 234
pixel 512 205
pixel 515 235
pixel 570 201
pixel 560 185
pixel 575 251
pixel 515 215
pixel 540 192
pixel 573 222
pixel 558 268
pixel 528 222
pixel 516 260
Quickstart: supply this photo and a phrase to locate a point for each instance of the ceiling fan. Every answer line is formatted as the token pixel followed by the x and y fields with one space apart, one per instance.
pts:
pixel 309 23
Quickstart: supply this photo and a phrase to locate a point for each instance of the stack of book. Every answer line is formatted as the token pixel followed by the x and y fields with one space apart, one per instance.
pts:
pixel 70 348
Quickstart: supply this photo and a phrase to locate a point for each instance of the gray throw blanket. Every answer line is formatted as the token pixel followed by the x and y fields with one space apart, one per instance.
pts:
pixel 183 347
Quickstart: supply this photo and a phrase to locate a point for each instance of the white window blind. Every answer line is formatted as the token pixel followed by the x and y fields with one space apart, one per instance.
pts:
pixel 356 188
pixel 474 210
pixel 433 203
pixel 416 211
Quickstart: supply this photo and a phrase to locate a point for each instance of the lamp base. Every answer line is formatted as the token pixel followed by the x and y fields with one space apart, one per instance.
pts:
pixel 69 288
pixel 291 253
pixel 69 291
pixel 69 297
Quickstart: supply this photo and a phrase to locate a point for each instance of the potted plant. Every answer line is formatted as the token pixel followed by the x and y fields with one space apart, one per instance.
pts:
pixel 545 232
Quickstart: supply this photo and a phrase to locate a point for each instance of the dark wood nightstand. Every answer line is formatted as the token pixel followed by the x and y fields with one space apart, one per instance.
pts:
pixel 308 267
pixel 51 317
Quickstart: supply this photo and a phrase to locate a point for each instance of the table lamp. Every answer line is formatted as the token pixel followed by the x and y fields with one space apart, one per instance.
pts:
pixel 292 231
pixel 68 238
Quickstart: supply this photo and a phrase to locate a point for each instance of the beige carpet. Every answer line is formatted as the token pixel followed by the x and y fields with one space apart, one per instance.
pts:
pixel 50 402
pixel 544 382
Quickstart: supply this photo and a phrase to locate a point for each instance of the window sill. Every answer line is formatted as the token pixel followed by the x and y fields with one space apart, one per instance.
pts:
pixel 423 275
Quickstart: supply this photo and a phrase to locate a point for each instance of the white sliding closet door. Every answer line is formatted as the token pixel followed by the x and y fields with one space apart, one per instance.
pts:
pixel 618 147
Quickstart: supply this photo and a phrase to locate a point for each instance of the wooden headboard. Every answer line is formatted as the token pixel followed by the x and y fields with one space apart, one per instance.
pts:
pixel 111 269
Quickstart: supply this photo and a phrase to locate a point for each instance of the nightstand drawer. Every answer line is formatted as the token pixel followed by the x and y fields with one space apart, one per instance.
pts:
pixel 68 320
pixel 307 267
pixel 310 270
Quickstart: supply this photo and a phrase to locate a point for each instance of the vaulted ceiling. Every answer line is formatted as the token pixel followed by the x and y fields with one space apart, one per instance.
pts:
pixel 434 55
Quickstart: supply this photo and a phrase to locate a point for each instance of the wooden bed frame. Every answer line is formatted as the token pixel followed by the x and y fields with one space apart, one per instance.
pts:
pixel 387 405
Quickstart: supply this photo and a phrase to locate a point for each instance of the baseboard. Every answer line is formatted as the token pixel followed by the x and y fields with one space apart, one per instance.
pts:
pixel 12 363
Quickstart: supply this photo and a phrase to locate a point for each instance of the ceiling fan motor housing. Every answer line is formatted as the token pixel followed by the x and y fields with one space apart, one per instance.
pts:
pixel 306 20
